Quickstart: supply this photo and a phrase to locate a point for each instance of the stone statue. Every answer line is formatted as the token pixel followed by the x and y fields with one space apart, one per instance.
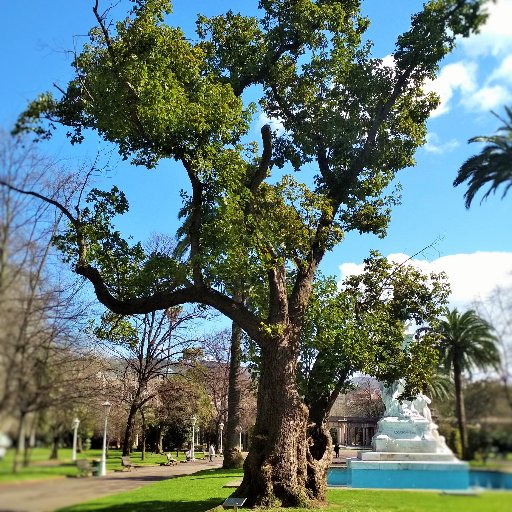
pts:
pixel 396 408
pixel 421 403
pixel 407 425
pixel 407 442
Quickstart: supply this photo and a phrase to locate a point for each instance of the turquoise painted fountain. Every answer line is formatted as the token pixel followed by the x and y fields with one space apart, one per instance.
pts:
pixel 408 452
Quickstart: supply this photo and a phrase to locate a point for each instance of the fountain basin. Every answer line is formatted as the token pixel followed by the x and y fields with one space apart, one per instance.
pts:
pixel 408 474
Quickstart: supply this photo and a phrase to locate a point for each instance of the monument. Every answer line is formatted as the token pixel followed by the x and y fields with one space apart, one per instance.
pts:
pixel 408 451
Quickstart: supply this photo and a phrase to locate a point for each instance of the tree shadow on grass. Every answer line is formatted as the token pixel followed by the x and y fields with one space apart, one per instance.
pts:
pixel 149 506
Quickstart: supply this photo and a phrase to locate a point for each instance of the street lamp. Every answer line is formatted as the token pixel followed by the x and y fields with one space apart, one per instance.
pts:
pixel 192 454
pixel 221 426
pixel 239 428
pixel 76 422
pixel 103 467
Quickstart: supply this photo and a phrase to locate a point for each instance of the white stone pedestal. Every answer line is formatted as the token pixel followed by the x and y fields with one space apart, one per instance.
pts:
pixel 408 452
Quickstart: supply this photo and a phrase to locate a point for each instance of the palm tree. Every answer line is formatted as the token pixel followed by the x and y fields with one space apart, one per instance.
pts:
pixel 467 343
pixel 493 165
pixel 440 386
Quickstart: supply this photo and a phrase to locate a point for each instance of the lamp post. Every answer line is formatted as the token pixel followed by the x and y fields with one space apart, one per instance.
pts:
pixel 76 422
pixel 192 454
pixel 221 426
pixel 103 467
pixel 239 428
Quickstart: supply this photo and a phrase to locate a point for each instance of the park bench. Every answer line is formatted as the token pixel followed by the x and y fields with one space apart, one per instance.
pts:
pixel 127 464
pixel 171 461
pixel 84 467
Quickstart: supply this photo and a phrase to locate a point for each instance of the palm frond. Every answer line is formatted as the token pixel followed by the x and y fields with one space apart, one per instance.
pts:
pixel 492 166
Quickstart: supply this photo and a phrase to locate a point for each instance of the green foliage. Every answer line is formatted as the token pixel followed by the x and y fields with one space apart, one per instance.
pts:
pixel 440 386
pixel 361 328
pixel 160 101
pixel 453 440
pixel 116 329
pixel 492 166
pixel 468 342
pixel 128 269
pixel 144 86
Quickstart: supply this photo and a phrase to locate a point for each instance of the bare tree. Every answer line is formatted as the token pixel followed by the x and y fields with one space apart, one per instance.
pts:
pixel 230 388
pixel 40 310
pixel 497 311
pixel 147 347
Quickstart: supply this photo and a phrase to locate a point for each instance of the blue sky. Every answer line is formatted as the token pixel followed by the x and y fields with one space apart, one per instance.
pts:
pixel 474 247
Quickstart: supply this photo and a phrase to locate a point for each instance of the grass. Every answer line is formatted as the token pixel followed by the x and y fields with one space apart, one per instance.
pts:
pixel 204 491
pixel 494 463
pixel 41 467
pixel 195 493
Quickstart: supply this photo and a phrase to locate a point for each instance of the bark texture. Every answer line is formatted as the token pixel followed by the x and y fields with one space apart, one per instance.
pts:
pixel 234 397
pixel 319 398
pixel 275 469
pixel 319 458
pixel 128 433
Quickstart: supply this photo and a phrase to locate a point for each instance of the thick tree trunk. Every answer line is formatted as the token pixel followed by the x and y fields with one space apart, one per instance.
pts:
pixel 319 454
pixel 127 441
pixel 234 396
pixel 319 398
pixel 275 469
pixel 159 440
pixel 319 459
pixel 460 410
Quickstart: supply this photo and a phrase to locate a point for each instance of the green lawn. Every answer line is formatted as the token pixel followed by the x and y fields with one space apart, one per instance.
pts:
pixel 195 493
pixel 41 467
pixel 494 463
pixel 204 491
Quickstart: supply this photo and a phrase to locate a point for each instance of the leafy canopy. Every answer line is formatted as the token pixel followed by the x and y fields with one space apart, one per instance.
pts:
pixel 362 328
pixel 350 122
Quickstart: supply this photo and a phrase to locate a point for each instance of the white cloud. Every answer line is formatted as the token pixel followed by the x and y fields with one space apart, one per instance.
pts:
pixel 459 76
pixel 472 276
pixel 389 61
pixel 487 98
pixel 495 36
pixel 503 71
pixel 275 124
pixel 434 144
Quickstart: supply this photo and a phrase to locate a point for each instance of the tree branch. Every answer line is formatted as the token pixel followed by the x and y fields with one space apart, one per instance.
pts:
pixel 266 157
pixel 195 222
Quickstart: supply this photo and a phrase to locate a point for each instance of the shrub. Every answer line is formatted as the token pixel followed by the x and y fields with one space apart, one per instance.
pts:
pixel 234 459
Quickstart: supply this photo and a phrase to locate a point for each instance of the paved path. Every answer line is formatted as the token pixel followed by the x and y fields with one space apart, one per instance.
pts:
pixel 52 494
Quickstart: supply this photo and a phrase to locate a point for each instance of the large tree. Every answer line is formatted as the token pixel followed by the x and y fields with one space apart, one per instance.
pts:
pixel 467 343
pixel 350 123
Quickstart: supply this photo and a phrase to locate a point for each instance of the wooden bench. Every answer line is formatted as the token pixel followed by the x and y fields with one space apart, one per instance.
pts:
pixel 84 467
pixel 127 464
